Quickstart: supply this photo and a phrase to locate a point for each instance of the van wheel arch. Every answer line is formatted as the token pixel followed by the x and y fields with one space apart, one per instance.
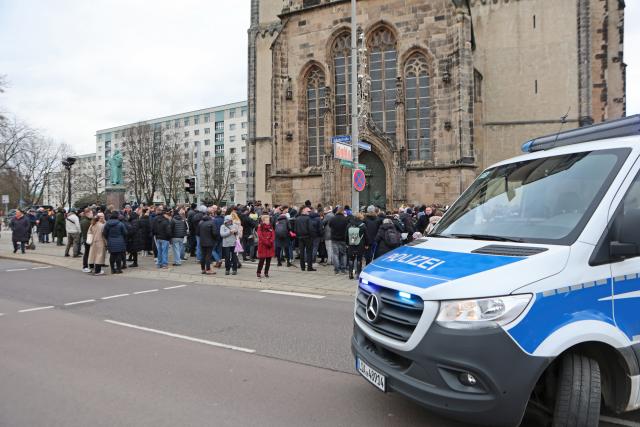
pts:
pixel 615 369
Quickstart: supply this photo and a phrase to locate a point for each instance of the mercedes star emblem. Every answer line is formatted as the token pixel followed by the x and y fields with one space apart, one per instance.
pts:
pixel 373 307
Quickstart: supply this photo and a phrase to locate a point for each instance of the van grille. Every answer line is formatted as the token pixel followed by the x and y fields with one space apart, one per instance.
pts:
pixel 397 316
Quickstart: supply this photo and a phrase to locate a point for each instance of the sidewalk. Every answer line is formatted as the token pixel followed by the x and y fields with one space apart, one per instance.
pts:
pixel 291 279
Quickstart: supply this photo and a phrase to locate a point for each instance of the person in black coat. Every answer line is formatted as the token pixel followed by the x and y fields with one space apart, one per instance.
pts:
pixel 43 225
pixel 115 233
pixel 303 233
pixel 356 248
pixel 135 238
pixel 144 226
pixel 20 231
pixel 209 236
pixel 372 223
pixel 386 236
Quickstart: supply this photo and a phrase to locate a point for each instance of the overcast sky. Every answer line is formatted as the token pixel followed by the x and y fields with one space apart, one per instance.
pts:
pixel 76 66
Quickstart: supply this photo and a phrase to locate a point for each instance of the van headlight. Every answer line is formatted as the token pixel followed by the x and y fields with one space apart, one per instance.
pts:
pixel 482 313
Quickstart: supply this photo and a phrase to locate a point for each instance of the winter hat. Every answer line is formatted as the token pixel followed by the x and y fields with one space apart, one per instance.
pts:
pixel 202 208
pixel 371 209
pixel 228 218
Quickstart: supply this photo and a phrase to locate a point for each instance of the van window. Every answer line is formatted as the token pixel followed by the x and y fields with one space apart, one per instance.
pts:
pixel 546 200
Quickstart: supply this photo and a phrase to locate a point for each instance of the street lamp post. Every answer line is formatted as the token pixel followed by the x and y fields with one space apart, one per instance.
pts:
pixel 355 196
pixel 67 163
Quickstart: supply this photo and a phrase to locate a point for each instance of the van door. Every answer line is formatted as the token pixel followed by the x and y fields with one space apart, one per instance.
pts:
pixel 626 271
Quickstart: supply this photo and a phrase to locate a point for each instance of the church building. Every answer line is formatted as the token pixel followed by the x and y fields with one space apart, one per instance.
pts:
pixel 446 88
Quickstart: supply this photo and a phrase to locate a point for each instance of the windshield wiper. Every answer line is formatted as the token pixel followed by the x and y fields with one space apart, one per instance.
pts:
pixel 441 236
pixel 488 237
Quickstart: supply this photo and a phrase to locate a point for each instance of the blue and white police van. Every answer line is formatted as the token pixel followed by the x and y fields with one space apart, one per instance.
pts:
pixel 526 295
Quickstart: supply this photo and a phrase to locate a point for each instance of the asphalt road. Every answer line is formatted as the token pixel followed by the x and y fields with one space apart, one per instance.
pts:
pixel 159 361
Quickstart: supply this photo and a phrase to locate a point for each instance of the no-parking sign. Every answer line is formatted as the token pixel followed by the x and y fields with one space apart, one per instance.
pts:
pixel 359 180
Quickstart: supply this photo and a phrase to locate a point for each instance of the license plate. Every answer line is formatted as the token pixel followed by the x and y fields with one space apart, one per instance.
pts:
pixel 373 376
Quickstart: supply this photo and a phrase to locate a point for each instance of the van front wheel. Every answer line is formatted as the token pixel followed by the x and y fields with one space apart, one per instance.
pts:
pixel 578 394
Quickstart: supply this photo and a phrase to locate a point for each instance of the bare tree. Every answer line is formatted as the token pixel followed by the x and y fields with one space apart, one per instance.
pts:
pixel 218 176
pixel 89 181
pixel 143 149
pixel 38 159
pixel 175 166
pixel 13 137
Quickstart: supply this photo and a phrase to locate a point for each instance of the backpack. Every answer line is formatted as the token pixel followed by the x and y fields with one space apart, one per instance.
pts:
pixel 353 233
pixel 392 237
pixel 282 231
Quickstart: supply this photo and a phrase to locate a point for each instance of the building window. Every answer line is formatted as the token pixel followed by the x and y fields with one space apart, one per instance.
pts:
pixel 186 133
pixel 219 126
pixel 196 132
pixel 383 71
pixel 232 151
pixel 219 149
pixel 207 131
pixel 186 121
pixel 244 174
pixel 196 120
pixel 267 177
pixel 477 86
pixel 207 141
pixel 342 67
pixel 232 126
pixel 232 138
pixel 243 161
pixel 417 108
pixel 186 144
pixel 244 125
pixel 315 112
pixel 167 124
pixel 176 123
pixel 232 114
pixel 207 117
pixel 219 137
pixel 243 112
pixel 206 153
pixel 244 149
pixel 244 136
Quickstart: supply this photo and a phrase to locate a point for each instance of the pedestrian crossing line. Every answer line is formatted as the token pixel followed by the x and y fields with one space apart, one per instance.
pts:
pixel 16 269
pixel 146 292
pixel 293 294
pixel 27 310
pixel 182 337
pixel 80 302
pixel 41 268
pixel 115 296
pixel 174 287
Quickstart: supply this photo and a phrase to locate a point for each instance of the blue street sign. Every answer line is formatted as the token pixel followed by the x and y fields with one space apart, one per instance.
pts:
pixel 341 139
pixel 364 145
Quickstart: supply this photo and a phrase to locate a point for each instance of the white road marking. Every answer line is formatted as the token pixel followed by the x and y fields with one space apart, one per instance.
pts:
pixel 175 287
pixel 17 269
pixel 41 268
pixel 183 337
pixel 80 302
pixel 1 314
pixel 293 294
pixel 35 309
pixel 145 292
pixel 115 296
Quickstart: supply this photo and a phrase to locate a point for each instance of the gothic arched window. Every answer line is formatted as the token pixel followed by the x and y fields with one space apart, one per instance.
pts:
pixel 383 72
pixel 315 85
pixel 417 107
pixel 341 53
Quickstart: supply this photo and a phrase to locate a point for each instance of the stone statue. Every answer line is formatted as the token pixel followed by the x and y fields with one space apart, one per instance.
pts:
pixel 115 163
pixel 378 200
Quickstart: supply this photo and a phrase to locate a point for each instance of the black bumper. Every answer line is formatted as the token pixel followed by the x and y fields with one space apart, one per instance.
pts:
pixel 429 373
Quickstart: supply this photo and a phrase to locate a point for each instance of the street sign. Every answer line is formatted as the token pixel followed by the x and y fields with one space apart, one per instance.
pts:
pixel 341 139
pixel 364 145
pixel 5 199
pixel 342 151
pixel 359 180
pixel 349 164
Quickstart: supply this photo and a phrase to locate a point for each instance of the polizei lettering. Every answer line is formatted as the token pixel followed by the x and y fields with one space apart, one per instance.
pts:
pixel 420 261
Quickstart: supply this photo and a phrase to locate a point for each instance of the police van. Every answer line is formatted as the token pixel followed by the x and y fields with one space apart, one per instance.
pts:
pixel 526 295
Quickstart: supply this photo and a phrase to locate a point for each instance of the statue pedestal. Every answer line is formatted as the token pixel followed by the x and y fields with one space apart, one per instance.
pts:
pixel 115 196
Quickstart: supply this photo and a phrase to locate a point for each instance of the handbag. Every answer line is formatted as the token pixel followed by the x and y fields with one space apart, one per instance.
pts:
pixel 292 234
pixel 89 239
pixel 238 249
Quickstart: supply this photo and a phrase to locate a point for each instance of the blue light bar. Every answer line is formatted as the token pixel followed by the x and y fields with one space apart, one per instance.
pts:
pixel 405 295
pixel 625 126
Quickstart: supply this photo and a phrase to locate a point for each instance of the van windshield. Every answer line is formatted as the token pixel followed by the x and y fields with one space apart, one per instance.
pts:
pixel 546 200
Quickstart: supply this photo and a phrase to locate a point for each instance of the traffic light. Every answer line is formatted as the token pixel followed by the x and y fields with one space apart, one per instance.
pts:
pixel 190 185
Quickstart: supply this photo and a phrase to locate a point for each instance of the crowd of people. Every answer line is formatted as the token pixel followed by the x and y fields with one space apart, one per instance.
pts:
pixel 226 237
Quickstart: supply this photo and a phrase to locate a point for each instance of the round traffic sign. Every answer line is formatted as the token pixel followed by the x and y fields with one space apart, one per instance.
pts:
pixel 359 180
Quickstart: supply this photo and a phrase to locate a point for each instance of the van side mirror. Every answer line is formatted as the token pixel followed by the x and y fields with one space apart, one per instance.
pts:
pixel 620 250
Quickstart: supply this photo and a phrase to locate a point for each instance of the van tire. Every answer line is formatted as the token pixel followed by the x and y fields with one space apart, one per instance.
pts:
pixel 578 396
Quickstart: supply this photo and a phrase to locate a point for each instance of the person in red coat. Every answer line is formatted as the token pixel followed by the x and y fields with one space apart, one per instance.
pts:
pixel 266 245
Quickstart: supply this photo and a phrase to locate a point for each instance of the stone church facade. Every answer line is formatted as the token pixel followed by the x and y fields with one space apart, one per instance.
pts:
pixel 447 87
